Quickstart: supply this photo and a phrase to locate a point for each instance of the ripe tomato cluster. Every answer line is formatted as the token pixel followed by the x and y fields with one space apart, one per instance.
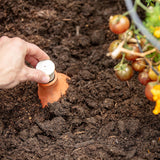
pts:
pixel 129 50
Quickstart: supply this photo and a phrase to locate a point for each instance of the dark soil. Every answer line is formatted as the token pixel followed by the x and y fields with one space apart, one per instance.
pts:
pixel 100 117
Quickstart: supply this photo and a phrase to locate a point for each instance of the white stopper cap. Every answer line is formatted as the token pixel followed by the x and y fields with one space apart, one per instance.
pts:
pixel 48 67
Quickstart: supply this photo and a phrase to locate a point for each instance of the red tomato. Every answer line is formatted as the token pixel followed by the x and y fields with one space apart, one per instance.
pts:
pixel 124 73
pixel 118 24
pixel 132 47
pixel 143 77
pixel 148 88
pixel 139 65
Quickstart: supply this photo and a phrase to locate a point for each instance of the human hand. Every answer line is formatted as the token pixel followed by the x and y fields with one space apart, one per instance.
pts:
pixel 13 69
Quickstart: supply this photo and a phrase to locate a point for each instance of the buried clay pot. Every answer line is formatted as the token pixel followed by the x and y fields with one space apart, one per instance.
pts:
pixel 57 87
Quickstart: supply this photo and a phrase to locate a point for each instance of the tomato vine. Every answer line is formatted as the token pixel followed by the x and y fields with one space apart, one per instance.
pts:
pixel 136 51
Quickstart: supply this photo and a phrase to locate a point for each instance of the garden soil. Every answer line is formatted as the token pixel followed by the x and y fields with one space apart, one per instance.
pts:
pixel 100 117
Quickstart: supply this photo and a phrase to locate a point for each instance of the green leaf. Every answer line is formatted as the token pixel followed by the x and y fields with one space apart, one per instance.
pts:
pixel 152 19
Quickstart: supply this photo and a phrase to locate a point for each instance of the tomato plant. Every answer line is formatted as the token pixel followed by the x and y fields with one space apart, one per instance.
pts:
pixel 139 65
pixel 152 75
pixel 114 44
pixel 143 42
pixel 143 77
pixel 148 88
pixel 138 49
pixel 118 24
pixel 130 56
pixel 126 34
pixel 124 72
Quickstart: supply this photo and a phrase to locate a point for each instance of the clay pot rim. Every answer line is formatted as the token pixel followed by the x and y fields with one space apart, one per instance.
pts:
pixel 50 83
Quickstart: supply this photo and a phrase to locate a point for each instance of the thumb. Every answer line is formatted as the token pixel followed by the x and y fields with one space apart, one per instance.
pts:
pixel 36 75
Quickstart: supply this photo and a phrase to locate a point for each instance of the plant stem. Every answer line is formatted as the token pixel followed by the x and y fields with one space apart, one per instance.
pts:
pixel 126 13
pixel 123 58
pixel 138 2
pixel 137 53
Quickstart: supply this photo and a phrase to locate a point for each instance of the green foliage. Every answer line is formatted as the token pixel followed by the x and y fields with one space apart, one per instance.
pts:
pixel 155 57
pixel 152 19
pixel 149 3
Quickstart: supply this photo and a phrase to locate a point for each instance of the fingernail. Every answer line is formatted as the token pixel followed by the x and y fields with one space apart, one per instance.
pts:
pixel 45 79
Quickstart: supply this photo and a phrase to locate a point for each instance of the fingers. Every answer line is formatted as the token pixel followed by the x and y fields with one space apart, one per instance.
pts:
pixel 33 55
pixel 31 74
pixel 3 39
pixel 31 60
pixel 35 52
